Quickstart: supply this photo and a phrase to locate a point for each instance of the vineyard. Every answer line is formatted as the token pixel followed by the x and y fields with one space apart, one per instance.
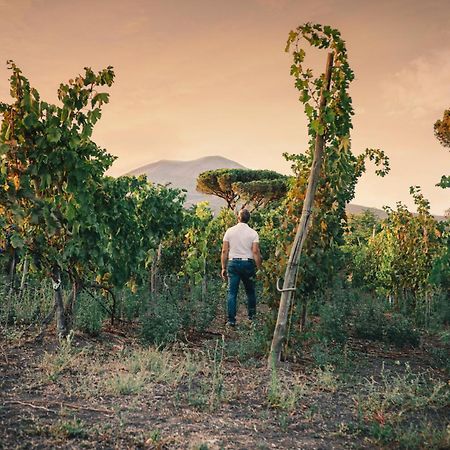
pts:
pixel 113 311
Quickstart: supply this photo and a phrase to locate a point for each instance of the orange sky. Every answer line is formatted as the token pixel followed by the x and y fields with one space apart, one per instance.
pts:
pixel 210 77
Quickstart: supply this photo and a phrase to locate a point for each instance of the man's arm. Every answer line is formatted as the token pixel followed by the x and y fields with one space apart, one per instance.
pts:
pixel 257 254
pixel 224 259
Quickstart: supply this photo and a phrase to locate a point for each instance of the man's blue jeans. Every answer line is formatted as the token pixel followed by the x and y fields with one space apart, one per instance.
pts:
pixel 241 270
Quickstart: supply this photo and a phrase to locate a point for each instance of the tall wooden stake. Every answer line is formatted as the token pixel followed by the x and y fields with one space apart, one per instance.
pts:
pixel 287 292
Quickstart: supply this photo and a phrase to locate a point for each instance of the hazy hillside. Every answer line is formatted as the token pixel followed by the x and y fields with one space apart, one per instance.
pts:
pixel 358 209
pixel 183 174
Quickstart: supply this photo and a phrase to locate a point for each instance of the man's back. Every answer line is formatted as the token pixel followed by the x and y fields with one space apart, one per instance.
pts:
pixel 241 238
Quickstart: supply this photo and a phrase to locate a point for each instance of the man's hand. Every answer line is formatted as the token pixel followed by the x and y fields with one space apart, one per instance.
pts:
pixel 224 275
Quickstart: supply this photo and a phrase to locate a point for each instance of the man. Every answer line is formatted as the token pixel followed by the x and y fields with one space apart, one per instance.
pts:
pixel 240 252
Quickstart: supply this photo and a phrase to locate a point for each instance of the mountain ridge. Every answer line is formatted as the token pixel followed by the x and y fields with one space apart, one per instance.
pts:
pixel 183 175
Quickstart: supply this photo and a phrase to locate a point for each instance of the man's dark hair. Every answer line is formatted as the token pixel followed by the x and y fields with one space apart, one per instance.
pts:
pixel 244 215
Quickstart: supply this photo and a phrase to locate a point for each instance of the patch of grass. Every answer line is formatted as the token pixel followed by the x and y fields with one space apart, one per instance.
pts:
pixel 158 365
pixel 252 343
pixel 208 392
pixel 154 437
pixel 201 446
pixel 53 364
pixel 325 379
pixel 283 395
pixel 389 409
pixel 125 384
pixel 216 394
pixel 423 435
pixel 389 399
pixel 441 357
pixel 339 356
pixel 70 429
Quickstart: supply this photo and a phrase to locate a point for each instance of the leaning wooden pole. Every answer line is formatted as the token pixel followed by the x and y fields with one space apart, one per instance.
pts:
pixel 287 292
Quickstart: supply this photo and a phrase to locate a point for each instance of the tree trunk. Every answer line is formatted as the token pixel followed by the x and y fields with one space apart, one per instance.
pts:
pixel 12 273
pixel 11 282
pixel 290 277
pixel 113 307
pixel 70 307
pixel 61 325
pixel 26 265
pixel 154 268
pixel 303 315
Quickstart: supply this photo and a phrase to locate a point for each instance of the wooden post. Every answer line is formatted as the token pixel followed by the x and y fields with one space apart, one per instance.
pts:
pixel 290 277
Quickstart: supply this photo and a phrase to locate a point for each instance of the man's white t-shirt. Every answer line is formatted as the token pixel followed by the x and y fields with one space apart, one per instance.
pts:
pixel 241 238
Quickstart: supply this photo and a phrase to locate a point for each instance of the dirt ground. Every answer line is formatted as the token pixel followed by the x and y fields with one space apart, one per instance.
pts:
pixel 111 393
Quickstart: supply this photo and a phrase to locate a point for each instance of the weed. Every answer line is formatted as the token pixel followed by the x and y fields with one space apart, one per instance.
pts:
pixel 154 437
pixel 125 384
pixel 161 324
pixel 156 365
pixel 441 357
pixel 371 323
pixel 444 337
pixel 282 396
pixel 53 364
pixel 217 381
pixel 283 420
pixel 311 412
pixel 424 435
pixel 348 429
pixel 202 446
pixel 339 356
pixel 208 392
pixel 70 429
pixel 26 307
pixel 326 379
pixel 389 402
pixel 178 308
pixel 251 343
pixel 413 436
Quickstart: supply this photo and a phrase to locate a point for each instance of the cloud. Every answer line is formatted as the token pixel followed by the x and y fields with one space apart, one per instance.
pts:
pixel 422 88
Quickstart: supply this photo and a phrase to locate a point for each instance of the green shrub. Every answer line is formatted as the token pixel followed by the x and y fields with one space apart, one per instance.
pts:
pixel 162 323
pixel 338 356
pixel 180 307
pixel 30 306
pixel 369 321
pixel 89 314
pixel 400 331
pixel 441 310
pixel 200 309
pixel 132 305
pixel 252 343
pixel 333 323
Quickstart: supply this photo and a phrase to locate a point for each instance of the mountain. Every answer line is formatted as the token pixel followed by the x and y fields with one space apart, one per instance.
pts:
pixel 358 209
pixel 183 175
